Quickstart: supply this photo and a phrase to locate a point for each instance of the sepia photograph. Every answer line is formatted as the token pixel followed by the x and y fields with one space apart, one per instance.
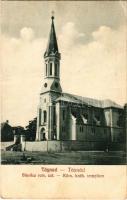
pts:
pixel 63 82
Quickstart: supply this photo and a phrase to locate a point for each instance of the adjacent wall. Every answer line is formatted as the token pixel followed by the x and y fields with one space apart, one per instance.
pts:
pixel 72 145
pixel 6 144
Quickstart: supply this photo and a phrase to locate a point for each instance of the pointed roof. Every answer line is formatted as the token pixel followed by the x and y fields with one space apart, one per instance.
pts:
pixel 52 47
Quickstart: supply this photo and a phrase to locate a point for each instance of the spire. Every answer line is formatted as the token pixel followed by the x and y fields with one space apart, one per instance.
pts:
pixel 52 47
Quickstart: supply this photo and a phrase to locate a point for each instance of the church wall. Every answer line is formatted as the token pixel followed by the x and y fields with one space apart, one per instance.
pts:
pixel 38 122
pixel 97 133
pixel 87 132
pixel 58 121
pixel 43 106
pixel 70 124
pixel 52 122
pixel 107 115
pixel 81 132
pixel 72 128
pixel 96 116
pixel 46 104
pixel 118 134
pixel 54 96
pixel 114 117
pixel 64 121
pixel 87 146
pixel 65 124
pixel 116 113
pixel 91 112
pixel 93 133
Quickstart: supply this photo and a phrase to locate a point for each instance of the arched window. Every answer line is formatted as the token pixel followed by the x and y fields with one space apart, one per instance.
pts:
pixel 50 68
pixel 81 128
pixel 63 115
pixel 54 115
pixel 45 115
pixel 46 69
pixel 55 69
pixel 40 116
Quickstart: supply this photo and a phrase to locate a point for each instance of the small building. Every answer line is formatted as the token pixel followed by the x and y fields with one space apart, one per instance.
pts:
pixel 6 132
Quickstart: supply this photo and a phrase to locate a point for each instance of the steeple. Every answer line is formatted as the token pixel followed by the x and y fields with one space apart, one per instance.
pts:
pixel 52 63
pixel 52 47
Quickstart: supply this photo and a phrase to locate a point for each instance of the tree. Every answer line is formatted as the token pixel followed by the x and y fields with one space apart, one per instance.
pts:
pixel 30 131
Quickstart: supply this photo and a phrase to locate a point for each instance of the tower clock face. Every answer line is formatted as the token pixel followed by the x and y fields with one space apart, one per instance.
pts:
pixel 45 84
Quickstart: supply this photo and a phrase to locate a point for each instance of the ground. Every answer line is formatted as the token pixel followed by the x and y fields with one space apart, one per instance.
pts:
pixel 64 158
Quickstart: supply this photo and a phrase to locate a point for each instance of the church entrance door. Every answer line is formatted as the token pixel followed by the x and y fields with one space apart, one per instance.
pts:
pixel 43 135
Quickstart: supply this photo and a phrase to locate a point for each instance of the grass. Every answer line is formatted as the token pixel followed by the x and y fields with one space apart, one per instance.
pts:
pixel 64 158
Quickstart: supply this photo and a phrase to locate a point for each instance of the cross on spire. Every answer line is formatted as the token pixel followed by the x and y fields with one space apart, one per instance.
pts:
pixel 52 15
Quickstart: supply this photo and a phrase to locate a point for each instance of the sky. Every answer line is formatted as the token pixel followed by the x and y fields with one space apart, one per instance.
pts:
pixel 91 37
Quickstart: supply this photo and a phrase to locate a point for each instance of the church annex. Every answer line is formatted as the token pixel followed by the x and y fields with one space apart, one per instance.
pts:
pixel 63 116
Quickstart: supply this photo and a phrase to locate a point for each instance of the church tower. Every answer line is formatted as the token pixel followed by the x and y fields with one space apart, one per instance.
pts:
pixel 52 63
pixel 51 89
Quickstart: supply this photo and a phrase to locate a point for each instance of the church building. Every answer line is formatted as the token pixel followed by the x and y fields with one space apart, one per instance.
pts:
pixel 63 116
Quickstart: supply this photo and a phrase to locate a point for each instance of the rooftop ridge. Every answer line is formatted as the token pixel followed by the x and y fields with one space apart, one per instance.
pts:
pixel 88 101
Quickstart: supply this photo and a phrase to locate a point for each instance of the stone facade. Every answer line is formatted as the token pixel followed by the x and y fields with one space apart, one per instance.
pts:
pixel 63 116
